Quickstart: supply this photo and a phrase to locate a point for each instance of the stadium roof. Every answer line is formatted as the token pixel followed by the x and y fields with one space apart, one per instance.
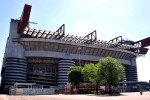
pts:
pixel 35 33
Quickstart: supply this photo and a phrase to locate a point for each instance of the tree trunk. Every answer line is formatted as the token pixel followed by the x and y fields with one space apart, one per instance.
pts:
pixel 96 87
pixel 110 90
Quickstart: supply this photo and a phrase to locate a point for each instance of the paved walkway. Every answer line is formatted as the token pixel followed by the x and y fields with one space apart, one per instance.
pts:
pixel 124 96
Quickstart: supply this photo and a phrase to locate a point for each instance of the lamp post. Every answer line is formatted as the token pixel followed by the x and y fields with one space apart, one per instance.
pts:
pixel 79 50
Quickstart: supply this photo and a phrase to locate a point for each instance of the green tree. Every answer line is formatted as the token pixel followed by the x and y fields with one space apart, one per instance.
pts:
pixel 90 74
pixel 75 76
pixel 110 71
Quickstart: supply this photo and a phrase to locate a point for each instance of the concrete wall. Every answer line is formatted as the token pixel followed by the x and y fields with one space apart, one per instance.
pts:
pixel 14 49
pixel 30 91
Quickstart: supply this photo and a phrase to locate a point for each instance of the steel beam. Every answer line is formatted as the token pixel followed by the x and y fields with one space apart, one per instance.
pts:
pixel 24 20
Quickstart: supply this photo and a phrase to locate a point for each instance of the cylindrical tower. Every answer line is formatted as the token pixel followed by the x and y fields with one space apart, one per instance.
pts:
pixel 63 68
pixel 15 71
pixel 131 73
pixel 14 62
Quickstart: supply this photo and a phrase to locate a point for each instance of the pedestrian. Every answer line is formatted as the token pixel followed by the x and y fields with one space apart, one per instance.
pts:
pixel 141 91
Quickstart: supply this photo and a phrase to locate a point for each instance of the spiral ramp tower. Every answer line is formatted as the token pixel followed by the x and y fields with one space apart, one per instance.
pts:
pixel 63 68
pixel 14 68
pixel 15 71
pixel 131 73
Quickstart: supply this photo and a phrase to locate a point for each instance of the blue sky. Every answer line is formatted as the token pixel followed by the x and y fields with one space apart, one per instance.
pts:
pixel 111 18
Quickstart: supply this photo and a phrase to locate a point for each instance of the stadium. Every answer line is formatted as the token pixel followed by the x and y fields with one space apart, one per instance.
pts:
pixel 44 57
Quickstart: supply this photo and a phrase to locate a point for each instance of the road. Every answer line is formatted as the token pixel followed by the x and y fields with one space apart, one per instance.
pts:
pixel 124 96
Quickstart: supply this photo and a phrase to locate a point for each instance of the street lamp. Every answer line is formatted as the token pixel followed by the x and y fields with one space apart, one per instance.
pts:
pixel 79 50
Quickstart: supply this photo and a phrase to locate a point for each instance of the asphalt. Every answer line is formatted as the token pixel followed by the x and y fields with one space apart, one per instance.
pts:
pixel 123 96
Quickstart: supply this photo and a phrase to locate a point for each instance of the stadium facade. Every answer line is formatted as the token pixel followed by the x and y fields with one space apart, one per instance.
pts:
pixel 44 57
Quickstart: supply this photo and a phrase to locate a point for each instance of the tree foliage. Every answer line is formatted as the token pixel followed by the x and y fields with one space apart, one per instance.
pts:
pixel 75 76
pixel 90 74
pixel 110 71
